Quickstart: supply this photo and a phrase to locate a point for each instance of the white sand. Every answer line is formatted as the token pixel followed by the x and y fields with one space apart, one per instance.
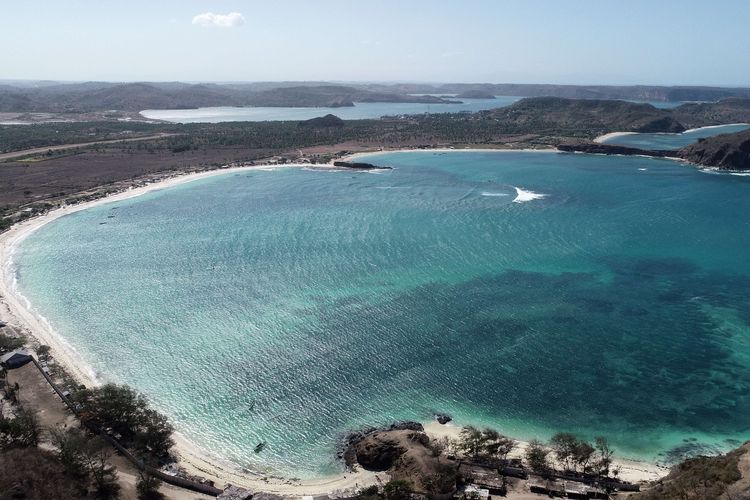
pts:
pixel 612 135
pixel 714 126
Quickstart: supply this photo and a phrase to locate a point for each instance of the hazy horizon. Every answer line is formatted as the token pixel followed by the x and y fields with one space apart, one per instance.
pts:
pixel 669 43
pixel 12 81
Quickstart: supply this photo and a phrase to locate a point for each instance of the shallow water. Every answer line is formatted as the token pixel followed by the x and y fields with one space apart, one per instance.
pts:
pixel 361 110
pixel 673 141
pixel 291 306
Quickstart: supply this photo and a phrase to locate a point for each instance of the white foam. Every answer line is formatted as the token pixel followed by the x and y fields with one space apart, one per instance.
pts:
pixel 642 169
pixel 487 193
pixel 525 195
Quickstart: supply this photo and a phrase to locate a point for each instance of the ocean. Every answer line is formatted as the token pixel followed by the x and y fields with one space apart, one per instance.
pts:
pixel 534 292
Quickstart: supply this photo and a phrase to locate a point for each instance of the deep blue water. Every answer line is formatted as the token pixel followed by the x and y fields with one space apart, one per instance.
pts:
pixel 291 306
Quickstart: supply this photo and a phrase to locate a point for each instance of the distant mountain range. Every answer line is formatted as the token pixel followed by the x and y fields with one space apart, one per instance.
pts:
pixel 86 97
pixel 96 96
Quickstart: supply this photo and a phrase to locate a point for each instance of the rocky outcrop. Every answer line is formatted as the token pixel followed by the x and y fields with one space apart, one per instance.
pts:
pixel 727 151
pixel 379 451
pixel 442 418
pixel 404 451
pixel 610 149
pixel 348 452
pixel 326 121
pixel 359 165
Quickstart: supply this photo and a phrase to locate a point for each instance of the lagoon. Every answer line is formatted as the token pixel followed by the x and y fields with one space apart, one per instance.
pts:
pixel 291 306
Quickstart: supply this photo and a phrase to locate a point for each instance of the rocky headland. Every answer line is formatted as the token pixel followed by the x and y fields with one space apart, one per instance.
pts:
pixel 403 450
pixel 724 152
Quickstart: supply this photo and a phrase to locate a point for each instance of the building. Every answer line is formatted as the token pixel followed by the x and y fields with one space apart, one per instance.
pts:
pixel 15 359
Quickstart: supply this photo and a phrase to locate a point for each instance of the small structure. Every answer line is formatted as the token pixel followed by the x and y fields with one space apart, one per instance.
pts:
pixel 15 359
pixel 232 492
pixel 481 492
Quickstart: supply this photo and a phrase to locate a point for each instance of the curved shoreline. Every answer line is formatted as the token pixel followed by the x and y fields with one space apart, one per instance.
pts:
pixel 600 139
pixel 191 457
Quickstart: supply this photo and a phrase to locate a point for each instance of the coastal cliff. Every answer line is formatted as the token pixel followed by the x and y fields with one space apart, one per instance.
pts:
pixel 610 149
pixel 727 151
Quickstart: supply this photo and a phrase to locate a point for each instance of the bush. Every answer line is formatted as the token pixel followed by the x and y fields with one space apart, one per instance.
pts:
pixel 147 486
pixel 22 431
pixel 397 489
pixel 7 343
pixel 36 474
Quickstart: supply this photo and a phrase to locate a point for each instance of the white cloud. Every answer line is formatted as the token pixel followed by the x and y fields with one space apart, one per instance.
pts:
pixel 221 20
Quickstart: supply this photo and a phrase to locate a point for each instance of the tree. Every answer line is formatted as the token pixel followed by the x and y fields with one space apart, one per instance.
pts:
pixel 471 440
pixel 397 489
pixel 43 352
pixel 126 413
pixel 155 434
pixel 22 431
pixel 148 485
pixel 496 445
pixel 437 447
pixel 564 447
pixel 583 454
pixel 371 492
pixel 536 456
pixel 71 445
pixel 605 455
pixel 96 456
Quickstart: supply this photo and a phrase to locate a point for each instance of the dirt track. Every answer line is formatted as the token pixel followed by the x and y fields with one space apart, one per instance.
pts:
pixel 36 151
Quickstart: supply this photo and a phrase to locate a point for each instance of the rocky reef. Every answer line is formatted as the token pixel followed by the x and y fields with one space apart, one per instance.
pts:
pixel 359 165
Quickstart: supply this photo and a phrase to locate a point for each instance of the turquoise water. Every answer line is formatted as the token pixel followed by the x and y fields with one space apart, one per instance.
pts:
pixel 674 141
pixel 359 111
pixel 291 306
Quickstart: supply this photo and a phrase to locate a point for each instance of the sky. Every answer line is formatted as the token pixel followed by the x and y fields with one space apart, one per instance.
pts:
pixel 661 42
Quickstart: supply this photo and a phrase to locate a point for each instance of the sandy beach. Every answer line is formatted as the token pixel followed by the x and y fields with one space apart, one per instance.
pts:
pixel 18 313
pixel 611 135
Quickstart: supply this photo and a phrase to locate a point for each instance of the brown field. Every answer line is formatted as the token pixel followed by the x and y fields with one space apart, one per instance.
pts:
pixel 40 178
